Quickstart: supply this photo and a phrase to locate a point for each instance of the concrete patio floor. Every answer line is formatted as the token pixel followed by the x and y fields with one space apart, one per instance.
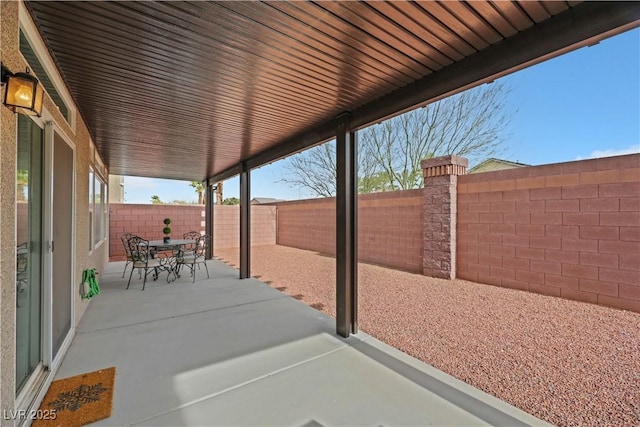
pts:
pixel 229 352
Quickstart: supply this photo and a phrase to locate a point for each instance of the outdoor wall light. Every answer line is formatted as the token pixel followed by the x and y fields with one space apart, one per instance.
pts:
pixel 23 93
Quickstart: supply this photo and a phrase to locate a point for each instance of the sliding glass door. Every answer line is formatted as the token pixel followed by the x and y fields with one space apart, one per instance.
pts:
pixel 29 300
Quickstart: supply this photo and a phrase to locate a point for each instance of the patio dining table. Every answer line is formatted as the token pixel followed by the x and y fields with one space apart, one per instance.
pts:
pixel 172 245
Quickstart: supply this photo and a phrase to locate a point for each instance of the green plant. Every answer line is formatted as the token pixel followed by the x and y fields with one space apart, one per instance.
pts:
pixel 167 230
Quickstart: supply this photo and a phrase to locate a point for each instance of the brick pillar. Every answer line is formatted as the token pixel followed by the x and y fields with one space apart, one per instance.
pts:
pixel 440 208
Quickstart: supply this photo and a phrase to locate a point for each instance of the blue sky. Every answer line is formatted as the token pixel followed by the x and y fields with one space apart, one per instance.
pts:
pixel 580 105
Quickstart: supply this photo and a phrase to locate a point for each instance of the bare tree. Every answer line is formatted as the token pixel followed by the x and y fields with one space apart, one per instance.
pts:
pixel 473 124
pixel 314 169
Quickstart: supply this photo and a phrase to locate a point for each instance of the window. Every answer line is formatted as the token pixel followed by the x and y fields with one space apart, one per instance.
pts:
pixel 98 209
pixel 91 179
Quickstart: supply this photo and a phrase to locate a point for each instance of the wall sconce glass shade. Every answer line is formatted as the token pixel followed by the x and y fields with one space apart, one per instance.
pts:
pixel 23 93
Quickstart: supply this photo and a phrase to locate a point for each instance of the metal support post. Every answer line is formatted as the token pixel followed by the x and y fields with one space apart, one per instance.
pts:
pixel 346 228
pixel 245 222
pixel 209 207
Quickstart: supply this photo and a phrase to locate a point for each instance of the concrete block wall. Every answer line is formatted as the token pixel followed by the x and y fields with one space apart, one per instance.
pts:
pixel 308 224
pixel 226 220
pixel 226 223
pixel 264 221
pixel 389 227
pixel 146 221
pixel 390 231
pixel 569 229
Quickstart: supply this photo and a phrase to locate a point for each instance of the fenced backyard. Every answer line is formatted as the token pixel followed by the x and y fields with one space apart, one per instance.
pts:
pixel 544 311
pixel 570 230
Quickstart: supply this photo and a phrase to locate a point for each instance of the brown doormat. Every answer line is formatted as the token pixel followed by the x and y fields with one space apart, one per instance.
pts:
pixel 79 400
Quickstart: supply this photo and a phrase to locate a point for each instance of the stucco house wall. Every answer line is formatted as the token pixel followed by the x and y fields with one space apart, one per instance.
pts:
pixel 10 13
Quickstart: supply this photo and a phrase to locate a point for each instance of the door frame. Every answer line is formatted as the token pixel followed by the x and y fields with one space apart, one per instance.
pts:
pixel 50 131
pixel 37 385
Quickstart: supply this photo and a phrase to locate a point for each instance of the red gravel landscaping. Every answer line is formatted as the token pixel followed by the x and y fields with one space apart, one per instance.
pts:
pixel 566 362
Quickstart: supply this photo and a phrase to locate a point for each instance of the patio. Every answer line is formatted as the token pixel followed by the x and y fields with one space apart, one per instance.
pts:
pixel 567 362
pixel 115 95
pixel 226 351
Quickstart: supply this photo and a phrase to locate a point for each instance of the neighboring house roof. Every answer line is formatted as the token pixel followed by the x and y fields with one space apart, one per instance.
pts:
pixel 264 200
pixel 494 164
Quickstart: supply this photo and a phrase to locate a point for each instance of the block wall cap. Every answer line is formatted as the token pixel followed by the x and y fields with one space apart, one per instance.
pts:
pixel 443 161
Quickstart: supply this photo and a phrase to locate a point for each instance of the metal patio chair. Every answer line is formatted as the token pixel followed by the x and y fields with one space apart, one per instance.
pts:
pixel 125 242
pixel 190 248
pixel 196 258
pixel 143 259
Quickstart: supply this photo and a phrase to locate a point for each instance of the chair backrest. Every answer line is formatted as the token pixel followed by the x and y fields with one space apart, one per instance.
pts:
pixel 191 235
pixel 203 244
pixel 139 249
pixel 125 242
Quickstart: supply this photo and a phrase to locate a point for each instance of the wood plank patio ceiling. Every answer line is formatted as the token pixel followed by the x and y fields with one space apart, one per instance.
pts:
pixel 187 90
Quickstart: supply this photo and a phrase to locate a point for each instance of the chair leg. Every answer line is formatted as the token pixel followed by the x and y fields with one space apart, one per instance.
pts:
pixel 130 274
pixel 144 282
pixel 206 268
pixel 125 268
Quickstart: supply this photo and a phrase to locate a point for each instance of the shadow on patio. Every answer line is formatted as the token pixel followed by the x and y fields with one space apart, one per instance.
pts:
pixel 226 351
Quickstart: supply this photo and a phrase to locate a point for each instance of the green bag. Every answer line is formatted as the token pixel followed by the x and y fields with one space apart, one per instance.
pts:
pixel 89 278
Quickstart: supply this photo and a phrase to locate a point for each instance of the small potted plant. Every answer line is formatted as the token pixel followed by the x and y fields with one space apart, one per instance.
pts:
pixel 167 230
